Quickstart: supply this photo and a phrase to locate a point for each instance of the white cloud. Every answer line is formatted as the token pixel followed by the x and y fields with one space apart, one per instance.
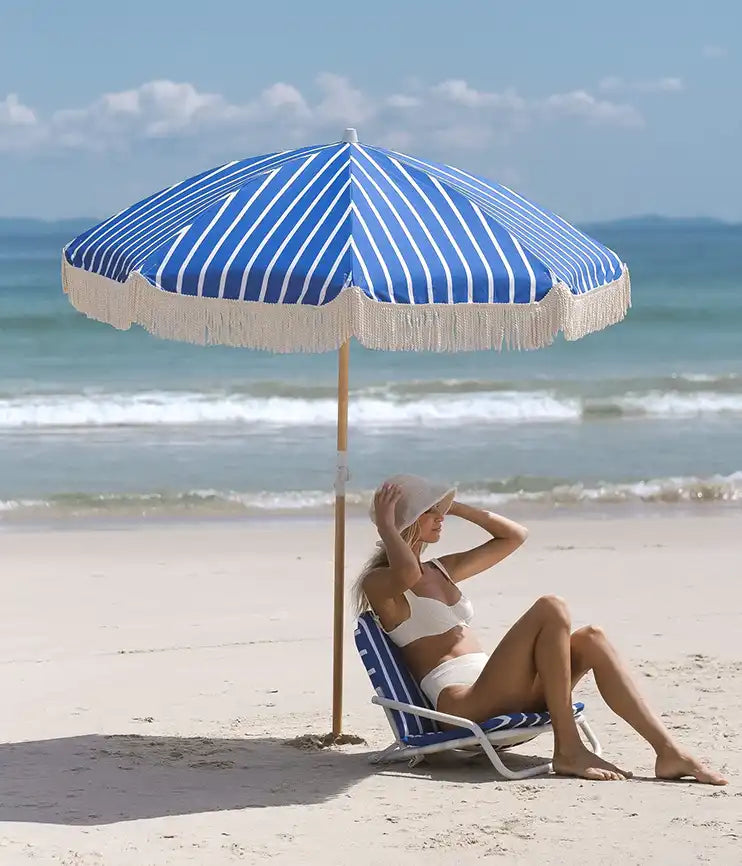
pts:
pixel 460 92
pixel 666 84
pixel 451 114
pixel 402 100
pixel 341 103
pixel 581 104
pixel 714 52
pixel 282 96
pixel 19 125
pixel 157 109
pixel 669 84
pixel 14 113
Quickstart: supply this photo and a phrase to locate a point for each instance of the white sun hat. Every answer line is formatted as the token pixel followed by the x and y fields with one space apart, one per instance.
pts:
pixel 418 495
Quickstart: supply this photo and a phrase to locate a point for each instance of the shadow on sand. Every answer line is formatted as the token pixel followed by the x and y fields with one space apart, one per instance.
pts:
pixel 98 779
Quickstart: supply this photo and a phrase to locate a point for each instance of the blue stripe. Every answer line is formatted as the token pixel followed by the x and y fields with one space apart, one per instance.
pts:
pixel 505 722
pixel 391 676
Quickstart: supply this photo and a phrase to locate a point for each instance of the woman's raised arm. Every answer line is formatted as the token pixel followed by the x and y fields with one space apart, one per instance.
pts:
pixel 404 568
pixel 507 536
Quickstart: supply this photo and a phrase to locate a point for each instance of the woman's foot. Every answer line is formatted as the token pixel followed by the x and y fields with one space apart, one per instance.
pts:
pixel 674 764
pixel 587 765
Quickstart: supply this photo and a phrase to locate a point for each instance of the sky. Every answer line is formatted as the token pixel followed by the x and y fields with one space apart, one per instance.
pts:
pixel 594 110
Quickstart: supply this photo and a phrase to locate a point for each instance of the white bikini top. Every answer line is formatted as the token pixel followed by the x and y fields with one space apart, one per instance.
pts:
pixel 430 616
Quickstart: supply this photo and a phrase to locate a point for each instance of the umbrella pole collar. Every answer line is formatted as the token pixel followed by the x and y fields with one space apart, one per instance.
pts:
pixel 342 473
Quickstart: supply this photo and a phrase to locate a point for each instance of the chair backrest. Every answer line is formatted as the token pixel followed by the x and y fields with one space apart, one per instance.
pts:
pixel 390 677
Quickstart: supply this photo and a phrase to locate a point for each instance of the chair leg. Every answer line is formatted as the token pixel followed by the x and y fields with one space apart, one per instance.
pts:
pixel 506 772
pixel 387 755
pixel 591 738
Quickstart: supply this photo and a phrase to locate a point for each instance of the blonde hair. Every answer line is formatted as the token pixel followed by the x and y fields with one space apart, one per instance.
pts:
pixel 380 559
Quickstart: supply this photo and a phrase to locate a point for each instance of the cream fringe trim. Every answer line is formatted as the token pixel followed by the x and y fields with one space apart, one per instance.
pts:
pixel 292 328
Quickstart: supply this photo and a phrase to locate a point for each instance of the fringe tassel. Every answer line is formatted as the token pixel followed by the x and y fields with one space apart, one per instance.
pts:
pixel 291 328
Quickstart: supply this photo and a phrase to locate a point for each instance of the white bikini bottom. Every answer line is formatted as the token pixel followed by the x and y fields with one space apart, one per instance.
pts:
pixel 461 671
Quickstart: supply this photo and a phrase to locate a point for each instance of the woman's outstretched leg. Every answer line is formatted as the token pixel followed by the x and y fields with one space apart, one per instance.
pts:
pixel 591 650
pixel 537 648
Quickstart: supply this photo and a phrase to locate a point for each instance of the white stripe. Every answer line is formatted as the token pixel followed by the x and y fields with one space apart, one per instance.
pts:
pixel 86 248
pixel 331 274
pixel 465 227
pixel 580 239
pixel 227 201
pixel 540 248
pixel 163 221
pixel 519 250
pixel 286 211
pixel 457 250
pixel 402 224
pixel 417 216
pixel 145 240
pixel 318 257
pixel 527 222
pixel 300 252
pixel 145 236
pixel 392 242
pixel 520 216
pixel 147 225
pixel 218 245
pixel 255 223
pixel 387 682
pixel 410 700
pixel 362 263
pixel 543 248
pixel 144 205
pixel 503 257
pixel 158 276
pixel 458 175
pixel 380 258
pixel 531 275
pixel 285 242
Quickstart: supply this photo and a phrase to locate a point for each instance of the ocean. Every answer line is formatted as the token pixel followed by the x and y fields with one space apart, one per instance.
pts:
pixel 647 415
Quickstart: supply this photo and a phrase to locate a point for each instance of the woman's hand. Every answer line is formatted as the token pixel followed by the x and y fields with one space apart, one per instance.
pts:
pixel 455 509
pixel 385 502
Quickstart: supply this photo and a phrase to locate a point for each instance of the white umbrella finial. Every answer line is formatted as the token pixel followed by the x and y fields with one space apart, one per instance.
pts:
pixel 350 135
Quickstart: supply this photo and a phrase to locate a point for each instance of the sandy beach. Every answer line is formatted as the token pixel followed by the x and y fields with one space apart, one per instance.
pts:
pixel 154 678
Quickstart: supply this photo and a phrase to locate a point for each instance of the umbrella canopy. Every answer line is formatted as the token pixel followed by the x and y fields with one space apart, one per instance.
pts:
pixel 301 250
pixel 304 249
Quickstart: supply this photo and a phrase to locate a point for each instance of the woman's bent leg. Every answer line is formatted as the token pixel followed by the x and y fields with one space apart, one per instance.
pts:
pixel 591 650
pixel 537 646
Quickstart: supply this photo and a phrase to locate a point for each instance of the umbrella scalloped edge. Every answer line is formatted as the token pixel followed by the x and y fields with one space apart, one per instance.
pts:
pixel 386 326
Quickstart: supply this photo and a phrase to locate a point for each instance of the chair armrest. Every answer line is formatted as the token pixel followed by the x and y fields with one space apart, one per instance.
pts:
pixel 459 721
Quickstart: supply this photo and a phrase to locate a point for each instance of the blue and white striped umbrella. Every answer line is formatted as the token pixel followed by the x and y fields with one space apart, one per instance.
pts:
pixel 303 249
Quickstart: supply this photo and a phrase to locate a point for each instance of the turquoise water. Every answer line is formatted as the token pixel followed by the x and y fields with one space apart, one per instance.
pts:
pixel 649 412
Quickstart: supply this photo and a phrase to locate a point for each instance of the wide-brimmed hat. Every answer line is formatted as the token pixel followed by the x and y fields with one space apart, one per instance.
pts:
pixel 418 495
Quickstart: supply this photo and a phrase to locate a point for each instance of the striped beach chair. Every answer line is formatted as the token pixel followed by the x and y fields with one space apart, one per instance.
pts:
pixel 417 726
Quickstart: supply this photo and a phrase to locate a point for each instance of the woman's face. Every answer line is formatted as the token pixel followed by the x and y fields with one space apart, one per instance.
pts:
pixel 430 523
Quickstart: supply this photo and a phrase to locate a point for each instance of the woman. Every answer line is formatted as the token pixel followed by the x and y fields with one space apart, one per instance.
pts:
pixel 536 664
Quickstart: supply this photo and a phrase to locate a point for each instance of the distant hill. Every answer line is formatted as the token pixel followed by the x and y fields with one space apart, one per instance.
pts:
pixel 22 227
pixel 652 221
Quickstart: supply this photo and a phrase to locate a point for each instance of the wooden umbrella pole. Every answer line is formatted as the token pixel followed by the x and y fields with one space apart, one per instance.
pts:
pixel 339 600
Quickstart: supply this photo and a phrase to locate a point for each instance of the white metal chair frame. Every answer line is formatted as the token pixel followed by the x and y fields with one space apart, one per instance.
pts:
pixel 400 751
